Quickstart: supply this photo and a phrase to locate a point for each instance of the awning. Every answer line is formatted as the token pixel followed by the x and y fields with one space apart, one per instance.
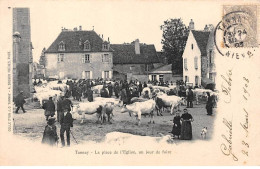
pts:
pixel 207 83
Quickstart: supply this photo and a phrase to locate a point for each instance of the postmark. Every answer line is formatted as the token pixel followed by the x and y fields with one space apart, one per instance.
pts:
pixel 237 29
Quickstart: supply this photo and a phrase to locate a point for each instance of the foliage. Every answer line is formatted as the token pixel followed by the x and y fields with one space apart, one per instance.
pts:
pixel 174 38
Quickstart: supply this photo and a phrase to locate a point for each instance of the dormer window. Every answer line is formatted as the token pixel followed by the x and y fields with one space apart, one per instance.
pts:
pixel 61 46
pixel 87 45
pixel 105 46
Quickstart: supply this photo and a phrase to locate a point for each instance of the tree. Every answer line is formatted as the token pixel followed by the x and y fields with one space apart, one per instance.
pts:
pixel 174 38
pixel 42 60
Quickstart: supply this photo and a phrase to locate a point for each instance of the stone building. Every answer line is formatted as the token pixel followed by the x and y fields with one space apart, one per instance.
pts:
pixel 22 52
pixel 198 57
pixel 79 54
pixel 133 61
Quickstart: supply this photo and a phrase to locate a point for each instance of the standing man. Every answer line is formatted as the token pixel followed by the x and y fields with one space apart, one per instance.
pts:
pixel 66 104
pixel 66 122
pixel 19 102
pixel 49 108
pixel 140 88
pixel 59 107
pixel 189 98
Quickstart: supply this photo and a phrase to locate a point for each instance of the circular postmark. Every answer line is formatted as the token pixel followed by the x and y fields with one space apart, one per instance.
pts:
pixel 236 30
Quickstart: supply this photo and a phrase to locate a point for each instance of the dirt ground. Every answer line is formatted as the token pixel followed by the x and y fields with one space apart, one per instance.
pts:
pixel 32 123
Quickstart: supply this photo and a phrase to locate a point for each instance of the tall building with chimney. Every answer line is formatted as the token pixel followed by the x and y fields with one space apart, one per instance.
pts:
pixel 22 52
pixel 198 57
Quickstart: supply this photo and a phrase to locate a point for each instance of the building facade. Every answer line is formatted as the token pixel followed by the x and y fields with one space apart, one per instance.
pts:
pixel 133 61
pixel 198 57
pixel 22 52
pixel 163 73
pixel 79 54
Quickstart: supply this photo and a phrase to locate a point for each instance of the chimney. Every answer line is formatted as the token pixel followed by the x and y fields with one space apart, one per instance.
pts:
pixel 206 28
pixel 102 36
pixel 108 39
pixel 191 25
pixel 80 27
pixel 137 47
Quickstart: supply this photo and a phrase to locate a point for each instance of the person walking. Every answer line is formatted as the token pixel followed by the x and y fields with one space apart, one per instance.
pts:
pixel 19 102
pixel 90 94
pixel 186 128
pixel 66 122
pixel 140 88
pixel 49 108
pixel 190 98
pixel 50 136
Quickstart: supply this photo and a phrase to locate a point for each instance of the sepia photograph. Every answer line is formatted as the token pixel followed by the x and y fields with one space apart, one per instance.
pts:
pixel 130 82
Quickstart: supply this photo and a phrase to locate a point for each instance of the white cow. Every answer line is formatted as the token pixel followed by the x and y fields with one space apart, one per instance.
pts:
pixel 164 100
pixel 140 108
pixel 146 89
pixel 45 95
pixel 97 88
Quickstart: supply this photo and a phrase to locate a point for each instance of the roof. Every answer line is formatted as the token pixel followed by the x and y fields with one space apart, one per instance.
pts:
pixel 125 54
pixel 71 40
pixel 201 38
pixel 163 69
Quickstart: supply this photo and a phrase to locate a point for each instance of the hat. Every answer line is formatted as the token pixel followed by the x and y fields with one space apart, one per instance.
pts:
pixel 51 121
pixel 21 91
pixel 185 109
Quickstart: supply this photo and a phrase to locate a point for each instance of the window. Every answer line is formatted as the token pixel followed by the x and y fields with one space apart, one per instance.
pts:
pixel 86 58
pixel 106 74
pixel 60 57
pixel 185 64
pixel 196 62
pixel 196 80
pixel 153 77
pixel 186 79
pixel 105 58
pixel 146 67
pixel 105 46
pixel 160 78
pixel 210 76
pixel 211 60
pixel 61 46
pixel 87 45
pixel 192 46
pixel 132 68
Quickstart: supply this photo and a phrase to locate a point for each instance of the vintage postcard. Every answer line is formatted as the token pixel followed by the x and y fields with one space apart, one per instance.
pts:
pixel 130 83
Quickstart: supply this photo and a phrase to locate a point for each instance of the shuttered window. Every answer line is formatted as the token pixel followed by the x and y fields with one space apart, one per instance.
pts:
pixel 196 62
pixel 86 58
pixel 185 64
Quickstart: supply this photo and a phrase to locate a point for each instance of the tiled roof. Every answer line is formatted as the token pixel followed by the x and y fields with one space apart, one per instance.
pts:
pixel 162 69
pixel 72 38
pixel 202 40
pixel 125 54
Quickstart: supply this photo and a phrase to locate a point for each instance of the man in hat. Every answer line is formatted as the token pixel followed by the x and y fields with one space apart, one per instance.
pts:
pixel 66 122
pixel 50 133
pixel 19 102
pixel 189 98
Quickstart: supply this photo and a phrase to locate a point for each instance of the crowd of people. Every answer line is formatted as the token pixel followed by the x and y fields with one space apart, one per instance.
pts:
pixel 121 89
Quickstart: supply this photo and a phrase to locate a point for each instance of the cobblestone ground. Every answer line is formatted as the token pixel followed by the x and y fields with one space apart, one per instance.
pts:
pixel 32 123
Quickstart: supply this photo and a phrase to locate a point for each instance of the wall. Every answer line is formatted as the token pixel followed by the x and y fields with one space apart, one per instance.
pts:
pixel 136 68
pixel 167 77
pixel 190 53
pixel 73 67
pixel 22 52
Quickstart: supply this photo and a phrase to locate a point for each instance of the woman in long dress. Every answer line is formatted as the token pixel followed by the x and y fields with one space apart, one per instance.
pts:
pixel 50 136
pixel 186 129
pixel 176 129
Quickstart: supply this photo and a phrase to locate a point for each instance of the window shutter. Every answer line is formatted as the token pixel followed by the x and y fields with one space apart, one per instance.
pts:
pixel 83 58
pixel 150 77
pixel 58 57
pixel 196 62
pixel 103 74
pixel 102 57
pixel 157 77
pixel 91 75
pixel 110 74
pixel 90 58
pixel 110 58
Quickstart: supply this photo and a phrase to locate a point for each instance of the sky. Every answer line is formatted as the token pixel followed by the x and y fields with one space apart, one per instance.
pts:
pixel 121 21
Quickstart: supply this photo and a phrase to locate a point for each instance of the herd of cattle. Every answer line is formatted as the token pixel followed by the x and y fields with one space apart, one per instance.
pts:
pixel 103 107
